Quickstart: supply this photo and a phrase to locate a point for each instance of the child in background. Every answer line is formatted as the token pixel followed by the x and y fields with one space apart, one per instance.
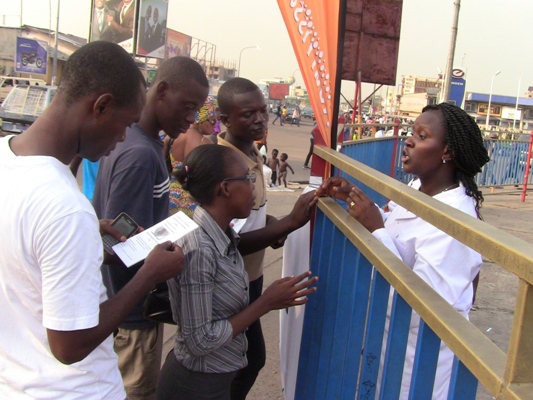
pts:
pixel 273 164
pixel 283 165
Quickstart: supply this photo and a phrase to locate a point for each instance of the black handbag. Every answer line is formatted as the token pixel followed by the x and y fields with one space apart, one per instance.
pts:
pixel 156 306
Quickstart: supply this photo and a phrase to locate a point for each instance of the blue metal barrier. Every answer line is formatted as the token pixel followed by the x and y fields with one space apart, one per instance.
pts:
pixel 506 167
pixel 344 328
pixel 355 334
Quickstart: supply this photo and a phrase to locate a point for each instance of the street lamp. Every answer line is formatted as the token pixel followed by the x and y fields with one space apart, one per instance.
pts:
pixel 294 72
pixel 240 54
pixel 490 100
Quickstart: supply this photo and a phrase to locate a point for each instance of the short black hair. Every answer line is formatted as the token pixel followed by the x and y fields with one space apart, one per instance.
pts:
pixel 204 168
pixel 101 67
pixel 465 141
pixel 229 89
pixel 178 71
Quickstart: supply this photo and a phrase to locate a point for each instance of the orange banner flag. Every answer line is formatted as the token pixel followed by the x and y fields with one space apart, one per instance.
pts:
pixel 313 27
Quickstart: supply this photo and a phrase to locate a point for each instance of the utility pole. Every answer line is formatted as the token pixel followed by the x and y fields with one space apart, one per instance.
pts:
pixel 445 94
pixel 54 65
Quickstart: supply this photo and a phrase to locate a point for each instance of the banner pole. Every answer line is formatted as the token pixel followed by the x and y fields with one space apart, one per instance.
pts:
pixel 338 76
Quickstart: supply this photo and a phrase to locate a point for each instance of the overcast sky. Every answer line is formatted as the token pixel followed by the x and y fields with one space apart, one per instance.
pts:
pixel 493 35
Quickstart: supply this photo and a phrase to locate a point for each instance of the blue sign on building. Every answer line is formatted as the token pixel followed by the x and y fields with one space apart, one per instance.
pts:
pixel 457 87
pixel 30 57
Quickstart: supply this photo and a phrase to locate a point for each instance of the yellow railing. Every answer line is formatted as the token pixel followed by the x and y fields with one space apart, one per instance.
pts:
pixel 505 376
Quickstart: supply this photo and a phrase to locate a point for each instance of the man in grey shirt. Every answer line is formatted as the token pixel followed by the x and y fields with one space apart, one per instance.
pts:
pixel 134 179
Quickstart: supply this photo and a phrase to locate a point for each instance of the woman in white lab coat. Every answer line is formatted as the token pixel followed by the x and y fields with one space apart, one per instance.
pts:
pixel 445 153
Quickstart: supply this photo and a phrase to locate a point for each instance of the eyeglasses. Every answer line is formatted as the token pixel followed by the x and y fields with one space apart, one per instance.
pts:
pixel 250 177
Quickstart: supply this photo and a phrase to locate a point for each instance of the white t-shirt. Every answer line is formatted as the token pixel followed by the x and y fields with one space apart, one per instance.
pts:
pixel 50 277
pixel 267 174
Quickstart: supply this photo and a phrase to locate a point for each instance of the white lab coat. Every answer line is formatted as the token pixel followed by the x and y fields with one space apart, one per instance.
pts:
pixel 295 262
pixel 447 265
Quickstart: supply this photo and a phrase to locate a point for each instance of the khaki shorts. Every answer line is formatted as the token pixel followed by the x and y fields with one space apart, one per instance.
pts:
pixel 139 360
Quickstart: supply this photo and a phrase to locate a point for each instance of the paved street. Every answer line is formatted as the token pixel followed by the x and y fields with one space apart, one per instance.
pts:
pixel 497 287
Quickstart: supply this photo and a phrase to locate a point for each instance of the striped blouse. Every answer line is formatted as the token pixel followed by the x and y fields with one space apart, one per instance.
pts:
pixel 212 287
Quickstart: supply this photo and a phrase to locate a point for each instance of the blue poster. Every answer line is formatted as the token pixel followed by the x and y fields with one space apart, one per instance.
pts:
pixel 30 57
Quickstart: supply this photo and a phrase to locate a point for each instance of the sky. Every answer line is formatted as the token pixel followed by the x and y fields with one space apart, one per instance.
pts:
pixel 493 35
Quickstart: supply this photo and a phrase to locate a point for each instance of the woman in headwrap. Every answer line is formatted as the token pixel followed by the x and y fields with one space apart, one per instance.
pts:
pixel 199 133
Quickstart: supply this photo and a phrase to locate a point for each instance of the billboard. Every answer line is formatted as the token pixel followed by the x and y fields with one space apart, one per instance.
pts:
pixel 372 40
pixel 30 56
pixel 178 44
pixel 278 91
pixel 114 21
pixel 152 31
pixel 511 113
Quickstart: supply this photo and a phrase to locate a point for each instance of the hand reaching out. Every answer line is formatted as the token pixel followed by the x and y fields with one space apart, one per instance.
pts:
pixel 289 291
pixel 336 187
pixel 359 204
pixel 303 209
pixel 364 210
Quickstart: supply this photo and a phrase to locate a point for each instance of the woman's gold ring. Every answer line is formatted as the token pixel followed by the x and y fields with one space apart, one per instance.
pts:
pixel 352 204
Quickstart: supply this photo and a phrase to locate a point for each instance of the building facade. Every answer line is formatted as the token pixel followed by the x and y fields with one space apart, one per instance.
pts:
pixel 505 112
pixel 67 44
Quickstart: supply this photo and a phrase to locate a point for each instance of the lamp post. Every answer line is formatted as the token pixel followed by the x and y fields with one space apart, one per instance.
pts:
pixel 293 72
pixel 516 104
pixel 490 100
pixel 240 54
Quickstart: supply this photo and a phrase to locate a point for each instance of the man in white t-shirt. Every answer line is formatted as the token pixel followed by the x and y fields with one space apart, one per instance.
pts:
pixel 55 320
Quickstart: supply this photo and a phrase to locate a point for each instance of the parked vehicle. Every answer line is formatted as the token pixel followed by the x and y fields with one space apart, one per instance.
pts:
pixel 9 82
pixel 23 106
pixel 308 112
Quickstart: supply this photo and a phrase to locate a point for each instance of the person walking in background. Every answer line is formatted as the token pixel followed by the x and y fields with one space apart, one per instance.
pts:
pixel 311 148
pixel 244 113
pixel 273 164
pixel 284 114
pixel 283 165
pixel 56 322
pixel 278 116
pixel 134 179
pixel 296 117
pixel 210 301
pixel 445 153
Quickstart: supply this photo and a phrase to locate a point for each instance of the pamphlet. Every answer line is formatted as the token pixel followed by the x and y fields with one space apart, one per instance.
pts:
pixel 137 247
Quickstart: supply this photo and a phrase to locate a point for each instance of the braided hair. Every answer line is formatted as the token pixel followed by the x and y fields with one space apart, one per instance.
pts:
pixel 465 141
pixel 203 169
